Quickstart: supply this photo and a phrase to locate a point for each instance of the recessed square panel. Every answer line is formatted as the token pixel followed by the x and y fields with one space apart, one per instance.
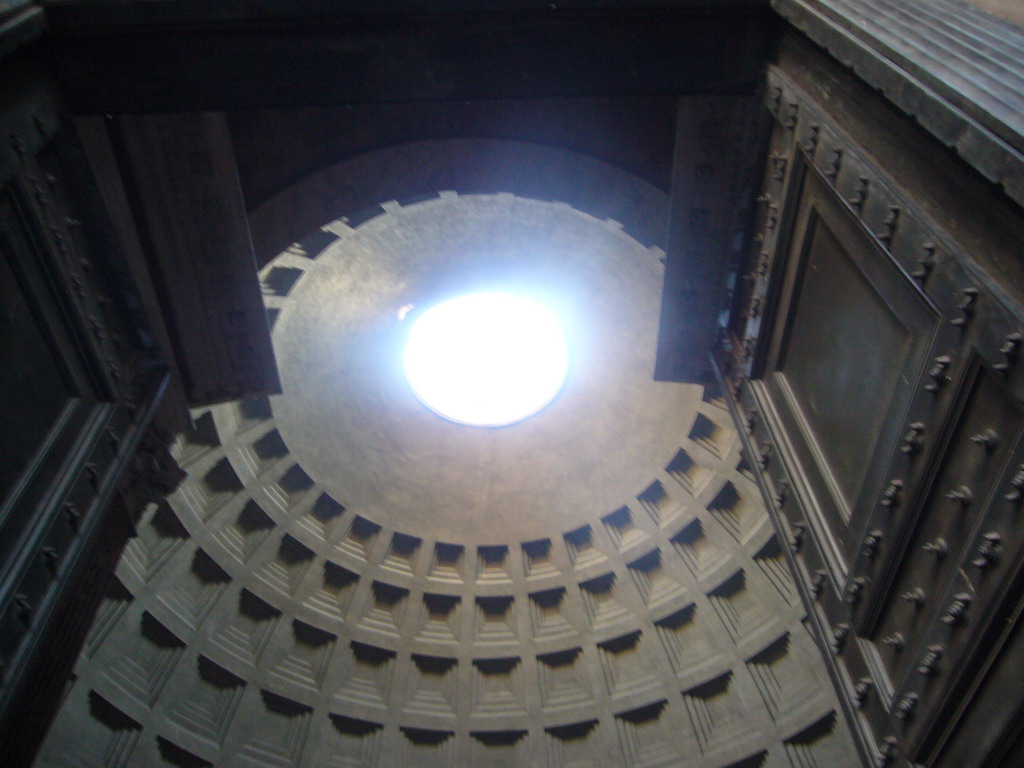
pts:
pixel 847 349
pixel 850 341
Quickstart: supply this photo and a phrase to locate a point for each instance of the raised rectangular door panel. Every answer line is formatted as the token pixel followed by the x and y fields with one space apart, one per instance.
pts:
pixel 851 339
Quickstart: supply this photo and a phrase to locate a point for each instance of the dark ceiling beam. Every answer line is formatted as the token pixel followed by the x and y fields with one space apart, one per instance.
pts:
pixel 717 152
pixel 125 63
pixel 181 186
pixel 93 13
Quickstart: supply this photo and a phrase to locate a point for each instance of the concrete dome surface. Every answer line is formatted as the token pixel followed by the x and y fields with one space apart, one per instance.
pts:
pixel 347 579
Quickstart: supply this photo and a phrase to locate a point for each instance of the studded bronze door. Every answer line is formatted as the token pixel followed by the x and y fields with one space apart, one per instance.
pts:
pixel 873 354
pixel 78 385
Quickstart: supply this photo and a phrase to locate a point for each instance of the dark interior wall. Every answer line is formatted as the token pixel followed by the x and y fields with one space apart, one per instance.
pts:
pixel 308 86
pixel 278 147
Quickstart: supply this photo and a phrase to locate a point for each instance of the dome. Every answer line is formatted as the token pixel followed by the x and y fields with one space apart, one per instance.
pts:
pixel 348 579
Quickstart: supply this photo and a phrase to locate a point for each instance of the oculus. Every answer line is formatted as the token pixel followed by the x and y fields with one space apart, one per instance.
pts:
pixel 486 359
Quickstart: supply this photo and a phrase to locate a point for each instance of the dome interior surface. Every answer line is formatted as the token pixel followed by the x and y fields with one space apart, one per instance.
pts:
pixel 347 579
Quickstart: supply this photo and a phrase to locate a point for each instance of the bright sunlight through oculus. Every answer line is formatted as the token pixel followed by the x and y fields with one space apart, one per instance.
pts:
pixel 486 359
